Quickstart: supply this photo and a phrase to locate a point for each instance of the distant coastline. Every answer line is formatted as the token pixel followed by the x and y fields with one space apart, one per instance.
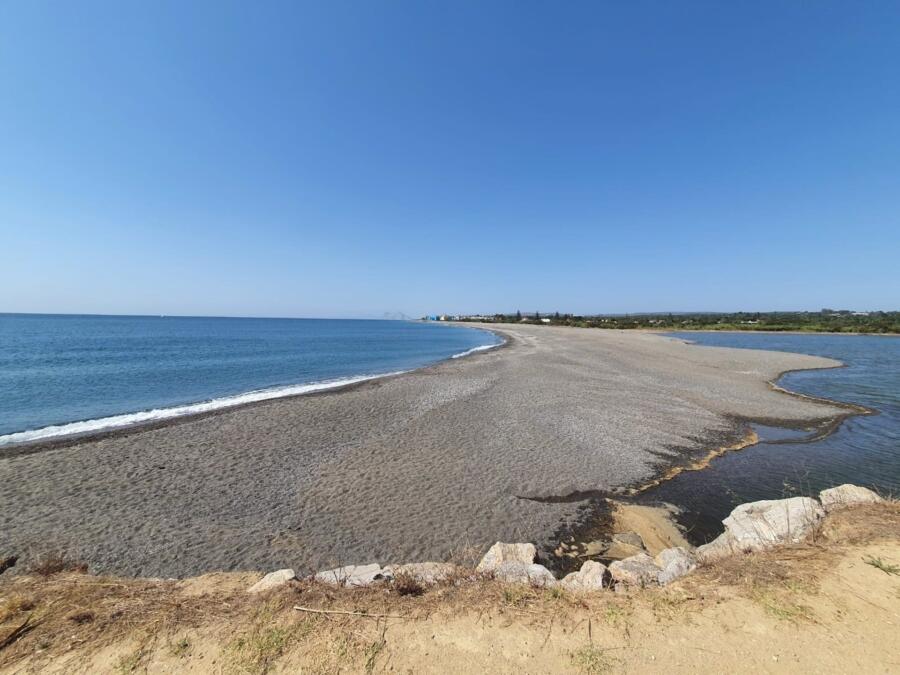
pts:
pixel 824 321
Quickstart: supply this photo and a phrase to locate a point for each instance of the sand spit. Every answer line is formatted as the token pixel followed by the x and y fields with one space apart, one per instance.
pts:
pixel 408 468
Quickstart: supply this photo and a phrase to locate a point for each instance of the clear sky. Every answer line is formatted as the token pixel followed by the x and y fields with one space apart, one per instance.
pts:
pixel 352 158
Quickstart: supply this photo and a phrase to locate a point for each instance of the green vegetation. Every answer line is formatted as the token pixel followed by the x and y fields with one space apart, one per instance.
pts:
pixel 824 321
pixel 880 564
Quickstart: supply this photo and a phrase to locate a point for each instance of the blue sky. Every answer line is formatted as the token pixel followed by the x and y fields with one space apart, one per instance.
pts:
pixel 347 159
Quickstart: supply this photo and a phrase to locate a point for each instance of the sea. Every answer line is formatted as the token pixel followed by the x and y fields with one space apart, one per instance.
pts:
pixel 864 449
pixel 66 374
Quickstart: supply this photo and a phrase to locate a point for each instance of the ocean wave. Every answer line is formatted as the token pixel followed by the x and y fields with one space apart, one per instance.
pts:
pixel 130 419
pixel 482 348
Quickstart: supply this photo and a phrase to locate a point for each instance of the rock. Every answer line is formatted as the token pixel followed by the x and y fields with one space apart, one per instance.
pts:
pixel 624 545
pixel 674 562
pixel 355 575
pixel 720 547
pixel 273 580
pixel 760 525
pixel 638 570
pixel 515 572
pixel 425 572
pixel 590 577
pixel 500 553
pixel 847 495
pixel 629 538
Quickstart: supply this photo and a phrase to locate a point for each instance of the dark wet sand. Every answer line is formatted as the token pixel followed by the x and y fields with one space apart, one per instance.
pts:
pixel 406 468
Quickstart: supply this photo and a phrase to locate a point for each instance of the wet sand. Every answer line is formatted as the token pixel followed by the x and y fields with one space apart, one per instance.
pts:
pixel 497 445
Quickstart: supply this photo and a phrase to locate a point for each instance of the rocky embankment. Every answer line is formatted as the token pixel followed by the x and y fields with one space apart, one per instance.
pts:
pixel 755 526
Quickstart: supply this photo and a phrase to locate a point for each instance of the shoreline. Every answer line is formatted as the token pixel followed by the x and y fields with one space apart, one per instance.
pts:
pixel 320 388
pixel 459 453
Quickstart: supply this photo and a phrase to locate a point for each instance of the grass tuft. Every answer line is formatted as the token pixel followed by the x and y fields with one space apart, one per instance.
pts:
pixel 53 562
pixel 406 584
pixel 880 564
pixel 591 660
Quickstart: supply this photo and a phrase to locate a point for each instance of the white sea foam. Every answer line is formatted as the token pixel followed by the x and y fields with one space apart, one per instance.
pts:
pixel 129 419
pixel 476 349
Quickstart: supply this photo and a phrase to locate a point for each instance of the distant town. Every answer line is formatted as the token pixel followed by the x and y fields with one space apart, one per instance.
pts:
pixel 823 321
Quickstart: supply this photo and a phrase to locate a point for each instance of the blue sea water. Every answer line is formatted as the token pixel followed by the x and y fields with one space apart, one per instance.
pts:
pixel 63 374
pixel 864 450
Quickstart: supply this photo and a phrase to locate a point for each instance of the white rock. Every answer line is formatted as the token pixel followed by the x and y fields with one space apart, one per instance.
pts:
pixel 720 547
pixel 638 570
pixel 500 553
pixel 425 572
pixel 354 575
pixel 589 578
pixel 272 580
pixel 760 525
pixel 515 572
pixel 674 562
pixel 847 495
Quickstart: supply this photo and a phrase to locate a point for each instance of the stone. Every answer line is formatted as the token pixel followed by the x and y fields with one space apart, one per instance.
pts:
pixel 425 572
pixel 500 553
pixel 757 526
pixel 674 562
pixel 638 570
pixel 629 538
pixel 847 495
pixel 591 577
pixel 273 580
pixel 515 572
pixel 355 575
pixel 720 547
pixel 624 545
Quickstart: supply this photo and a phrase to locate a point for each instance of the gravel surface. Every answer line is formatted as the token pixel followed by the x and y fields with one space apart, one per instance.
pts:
pixel 403 469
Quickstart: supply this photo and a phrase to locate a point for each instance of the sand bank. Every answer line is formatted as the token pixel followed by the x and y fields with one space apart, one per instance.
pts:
pixel 407 468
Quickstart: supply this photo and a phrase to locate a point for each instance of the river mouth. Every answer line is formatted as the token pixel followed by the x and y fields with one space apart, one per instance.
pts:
pixel 862 449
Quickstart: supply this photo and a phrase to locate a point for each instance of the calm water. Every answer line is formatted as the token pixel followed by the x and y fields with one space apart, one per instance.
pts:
pixel 864 450
pixel 58 369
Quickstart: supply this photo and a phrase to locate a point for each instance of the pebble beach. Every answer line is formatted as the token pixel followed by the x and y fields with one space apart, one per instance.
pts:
pixel 420 466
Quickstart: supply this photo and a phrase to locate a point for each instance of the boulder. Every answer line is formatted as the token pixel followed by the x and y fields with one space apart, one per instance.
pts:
pixel 638 570
pixel 674 562
pixel 501 553
pixel 590 577
pixel 624 545
pixel 760 525
pixel 273 580
pixel 425 572
pixel 514 572
pixel 355 575
pixel 847 495
pixel 629 538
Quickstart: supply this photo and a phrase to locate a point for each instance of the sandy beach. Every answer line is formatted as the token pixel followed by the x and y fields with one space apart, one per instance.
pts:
pixel 412 467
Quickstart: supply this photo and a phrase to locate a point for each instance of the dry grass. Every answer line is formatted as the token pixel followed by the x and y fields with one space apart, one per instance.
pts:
pixel 406 584
pixel 67 611
pixel 55 562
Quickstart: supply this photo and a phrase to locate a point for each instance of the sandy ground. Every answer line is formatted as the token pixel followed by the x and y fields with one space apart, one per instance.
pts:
pixel 818 607
pixel 408 468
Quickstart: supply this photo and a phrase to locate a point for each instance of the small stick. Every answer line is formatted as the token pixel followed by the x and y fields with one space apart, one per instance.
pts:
pixel 342 611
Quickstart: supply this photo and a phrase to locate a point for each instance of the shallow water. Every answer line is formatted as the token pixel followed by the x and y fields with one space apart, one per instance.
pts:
pixel 61 369
pixel 864 450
